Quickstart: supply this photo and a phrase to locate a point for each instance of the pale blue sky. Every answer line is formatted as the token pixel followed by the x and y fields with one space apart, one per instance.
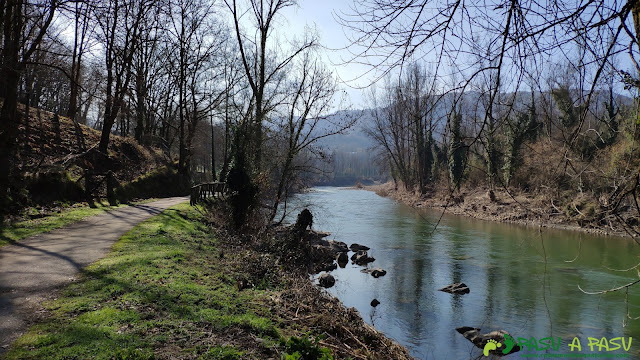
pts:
pixel 320 14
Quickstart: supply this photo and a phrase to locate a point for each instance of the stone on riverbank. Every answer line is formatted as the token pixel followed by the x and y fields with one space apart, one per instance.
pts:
pixel 326 280
pixel 329 267
pixel 357 247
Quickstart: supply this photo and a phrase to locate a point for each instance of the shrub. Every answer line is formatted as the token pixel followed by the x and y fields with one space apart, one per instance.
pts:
pixel 163 182
pixel 305 348
pixel 46 188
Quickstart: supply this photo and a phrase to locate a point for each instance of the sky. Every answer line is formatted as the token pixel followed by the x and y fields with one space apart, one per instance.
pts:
pixel 320 14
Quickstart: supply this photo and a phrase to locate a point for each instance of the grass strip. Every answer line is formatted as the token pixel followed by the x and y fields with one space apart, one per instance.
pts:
pixel 171 290
pixel 160 293
pixel 25 227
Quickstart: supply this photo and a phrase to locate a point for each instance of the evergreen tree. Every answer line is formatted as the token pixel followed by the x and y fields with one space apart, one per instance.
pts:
pixel 525 127
pixel 570 114
pixel 457 154
pixel 492 152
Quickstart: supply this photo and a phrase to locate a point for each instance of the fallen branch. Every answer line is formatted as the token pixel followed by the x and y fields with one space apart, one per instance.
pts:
pixel 625 270
pixel 579 251
pixel 610 290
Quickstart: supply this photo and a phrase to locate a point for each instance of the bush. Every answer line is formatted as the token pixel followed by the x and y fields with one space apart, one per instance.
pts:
pixel 46 188
pixel 164 182
pixel 305 348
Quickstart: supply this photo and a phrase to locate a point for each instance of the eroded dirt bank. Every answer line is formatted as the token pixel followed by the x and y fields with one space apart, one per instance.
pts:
pixel 508 207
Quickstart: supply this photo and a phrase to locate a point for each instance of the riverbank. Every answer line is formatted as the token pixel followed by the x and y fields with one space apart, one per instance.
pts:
pixel 173 289
pixel 501 206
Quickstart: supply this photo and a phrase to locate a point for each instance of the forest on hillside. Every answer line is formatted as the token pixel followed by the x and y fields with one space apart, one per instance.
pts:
pixel 536 100
pixel 518 95
pixel 581 154
pixel 185 77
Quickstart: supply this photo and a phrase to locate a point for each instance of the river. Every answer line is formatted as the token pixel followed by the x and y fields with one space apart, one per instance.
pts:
pixel 522 280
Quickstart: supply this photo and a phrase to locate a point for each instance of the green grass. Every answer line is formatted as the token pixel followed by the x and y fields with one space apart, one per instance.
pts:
pixel 15 231
pixel 19 230
pixel 162 290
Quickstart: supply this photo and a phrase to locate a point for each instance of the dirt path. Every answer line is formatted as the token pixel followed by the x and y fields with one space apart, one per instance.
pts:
pixel 32 268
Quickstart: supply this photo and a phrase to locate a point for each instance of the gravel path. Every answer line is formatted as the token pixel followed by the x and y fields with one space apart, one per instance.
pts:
pixel 32 269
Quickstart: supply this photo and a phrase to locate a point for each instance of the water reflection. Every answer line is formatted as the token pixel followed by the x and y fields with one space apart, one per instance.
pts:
pixel 523 280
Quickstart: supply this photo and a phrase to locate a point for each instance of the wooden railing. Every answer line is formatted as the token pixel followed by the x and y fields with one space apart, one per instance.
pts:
pixel 201 192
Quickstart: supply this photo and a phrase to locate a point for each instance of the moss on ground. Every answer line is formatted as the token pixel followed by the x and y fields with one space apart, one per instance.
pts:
pixel 162 182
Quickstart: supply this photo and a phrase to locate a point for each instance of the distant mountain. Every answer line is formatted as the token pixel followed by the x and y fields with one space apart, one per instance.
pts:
pixel 354 139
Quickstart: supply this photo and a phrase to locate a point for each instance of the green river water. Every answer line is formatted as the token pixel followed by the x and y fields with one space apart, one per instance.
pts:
pixel 522 279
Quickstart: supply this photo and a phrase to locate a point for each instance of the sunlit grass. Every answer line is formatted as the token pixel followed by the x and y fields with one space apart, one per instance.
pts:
pixel 15 231
pixel 160 290
pixel 24 228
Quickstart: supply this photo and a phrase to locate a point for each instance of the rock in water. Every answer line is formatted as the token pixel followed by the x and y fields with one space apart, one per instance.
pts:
pixel 457 288
pixel 362 258
pixel 343 259
pixel 489 342
pixel 329 267
pixel 375 302
pixel 357 247
pixel 376 273
pixel 326 280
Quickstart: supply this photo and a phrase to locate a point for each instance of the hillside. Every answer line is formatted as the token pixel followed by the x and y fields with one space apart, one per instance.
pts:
pixel 352 158
pixel 550 159
pixel 54 156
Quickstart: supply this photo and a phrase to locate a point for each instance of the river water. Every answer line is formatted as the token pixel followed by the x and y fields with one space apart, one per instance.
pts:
pixel 522 280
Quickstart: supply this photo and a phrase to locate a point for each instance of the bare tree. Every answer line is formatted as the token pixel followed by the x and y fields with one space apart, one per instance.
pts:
pixel 147 66
pixel 261 69
pixel 310 99
pixel 391 130
pixel 17 18
pixel 82 26
pixel 264 61
pixel 119 24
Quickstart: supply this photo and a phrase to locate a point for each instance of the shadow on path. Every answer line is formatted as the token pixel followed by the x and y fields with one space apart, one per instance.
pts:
pixel 33 268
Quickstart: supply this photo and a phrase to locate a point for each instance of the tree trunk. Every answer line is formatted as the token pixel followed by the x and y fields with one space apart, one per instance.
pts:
pixel 140 108
pixel 213 153
pixel 109 116
pixel 9 80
